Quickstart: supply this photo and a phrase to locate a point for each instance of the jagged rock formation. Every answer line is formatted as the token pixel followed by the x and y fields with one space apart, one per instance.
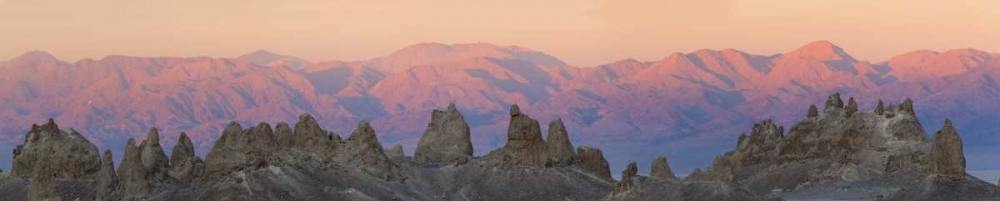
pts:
pixel 154 160
pixel 560 148
pixel 525 147
pixel 865 155
pixel 948 159
pixel 107 181
pixel 592 160
pixel 238 149
pixel 67 153
pixel 834 101
pixel 186 166
pixel 852 107
pixel 131 173
pixel 628 179
pixel 660 169
pixel 362 148
pixel 309 137
pixel 447 139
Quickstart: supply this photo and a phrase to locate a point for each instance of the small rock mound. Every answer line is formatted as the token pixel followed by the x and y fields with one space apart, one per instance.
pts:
pixel 67 153
pixel 447 139
pixel 363 149
pixel 661 169
pixel 627 182
pixel 560 148
pixel 592 160
pixel 396 154
pixel 949 160
pixel 186 166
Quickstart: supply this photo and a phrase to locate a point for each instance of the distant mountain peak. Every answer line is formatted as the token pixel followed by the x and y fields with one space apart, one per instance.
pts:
pixel 430 53
pixel 36 56
pixel 821 50
pixel 268 58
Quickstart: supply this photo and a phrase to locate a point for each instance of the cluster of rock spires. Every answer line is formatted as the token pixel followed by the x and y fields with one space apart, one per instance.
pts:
pixel 839 148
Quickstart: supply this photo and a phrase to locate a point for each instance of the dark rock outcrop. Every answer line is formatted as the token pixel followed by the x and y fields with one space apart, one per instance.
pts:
pixel 107 180
pixel 186 166
pixel 560 148
pixel 660 169
pixel 447 139
pixel 948 158
pixel 363 150
pixel 283 134
pixel 67 153
pixel 592 160
pixel 880 108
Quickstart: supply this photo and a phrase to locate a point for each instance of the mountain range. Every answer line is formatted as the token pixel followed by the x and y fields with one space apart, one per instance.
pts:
pixel 690 106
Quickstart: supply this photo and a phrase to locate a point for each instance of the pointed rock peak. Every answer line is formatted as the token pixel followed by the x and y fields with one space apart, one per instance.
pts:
pixel 364 132
pixel 813 112
pixel 183 139
pixel 947 154
pixel 592 160
pixel 560 147
pixel 515 110
pixel 48 126
pixel 880 108
pixel 852 107
pixel 154 136
pixel 233 127
pixel 630 171
pixel 661 169
pixel 130 143
pixel 451 107
pixel 834 101
pixel 107 157
pixel 821 50
pixel 907 106
pixel 306 117
pixel 34 56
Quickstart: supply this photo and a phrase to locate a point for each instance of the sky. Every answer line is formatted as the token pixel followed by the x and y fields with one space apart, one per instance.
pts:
pixel 581 32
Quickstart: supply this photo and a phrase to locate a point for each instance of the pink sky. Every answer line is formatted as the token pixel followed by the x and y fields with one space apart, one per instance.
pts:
pixel 582 32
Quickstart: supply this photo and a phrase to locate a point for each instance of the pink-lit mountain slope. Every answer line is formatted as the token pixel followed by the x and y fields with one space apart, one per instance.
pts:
pixel 687 105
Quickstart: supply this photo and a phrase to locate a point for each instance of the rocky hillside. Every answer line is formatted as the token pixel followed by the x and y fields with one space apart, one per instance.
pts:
pixel 838 153
pixel 692 101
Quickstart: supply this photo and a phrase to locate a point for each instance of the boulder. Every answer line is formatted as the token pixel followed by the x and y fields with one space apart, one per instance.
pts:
pixel 948 158
pixel 592 160
pixel 363 150
pixel 447 138
pixel 186 166
pixel 154 160
pixel 131 173
pixel 834 101
pixel 67 153
pixel 660 169
pixel 560 148
pixel 107 181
